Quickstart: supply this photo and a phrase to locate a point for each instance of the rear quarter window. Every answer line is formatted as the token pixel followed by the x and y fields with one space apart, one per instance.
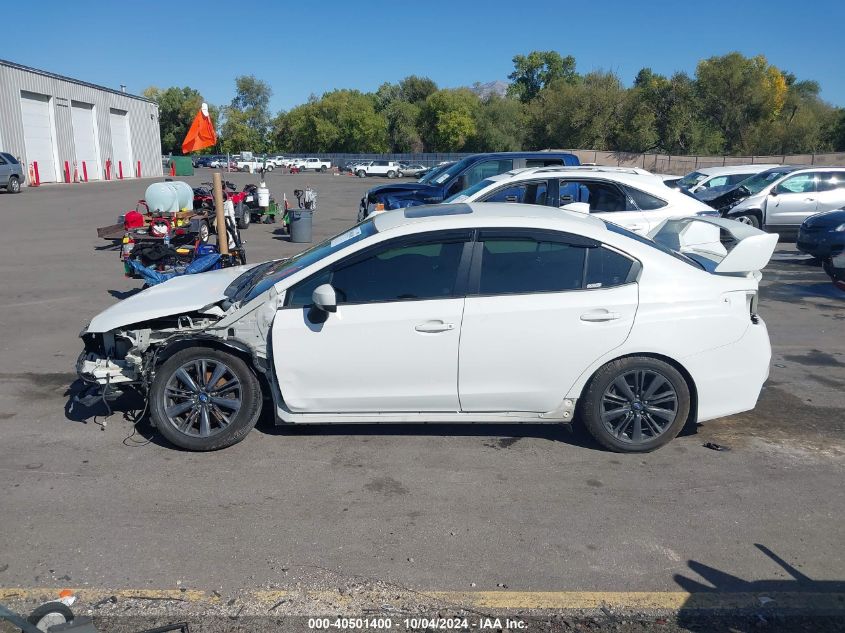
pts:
pixel 645 201
pixel 607 268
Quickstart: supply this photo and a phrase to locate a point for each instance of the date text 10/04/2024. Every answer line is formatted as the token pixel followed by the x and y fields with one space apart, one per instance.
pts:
pixel 417 623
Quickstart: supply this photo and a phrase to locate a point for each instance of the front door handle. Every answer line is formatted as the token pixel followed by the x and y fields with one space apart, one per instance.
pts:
pixel 598 316
pixel 809 199
pixel 432 327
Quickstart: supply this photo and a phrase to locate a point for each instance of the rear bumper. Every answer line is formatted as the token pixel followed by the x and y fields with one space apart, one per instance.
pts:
pixel 729 379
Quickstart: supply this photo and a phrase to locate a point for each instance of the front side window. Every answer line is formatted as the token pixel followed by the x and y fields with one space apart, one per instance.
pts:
pixel 691 179
pixel 422 269
pixel 801 183
pixel 718 181
pixel 602 197
pixel 2 160
pixel 522 265
pixel 524 193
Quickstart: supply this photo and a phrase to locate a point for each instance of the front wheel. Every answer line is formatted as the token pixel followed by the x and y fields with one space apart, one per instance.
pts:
pixel 391 174
pixel 361 173
pixel 751 219
pixel 203 399
pixel 636 404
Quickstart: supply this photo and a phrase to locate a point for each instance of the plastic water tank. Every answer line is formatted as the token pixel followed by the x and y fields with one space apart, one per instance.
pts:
pixel 169 197
pixel 263 197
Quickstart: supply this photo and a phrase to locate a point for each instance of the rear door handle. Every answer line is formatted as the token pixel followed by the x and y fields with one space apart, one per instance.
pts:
pixel 434 326
pixel 598 316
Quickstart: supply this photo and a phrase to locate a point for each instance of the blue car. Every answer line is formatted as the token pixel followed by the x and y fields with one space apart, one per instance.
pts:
pixel 823 235
pixel 439 184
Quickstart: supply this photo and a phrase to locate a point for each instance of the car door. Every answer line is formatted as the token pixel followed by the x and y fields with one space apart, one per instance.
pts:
pixel 830 191
pixel 792 200
pixel 542 307
pixel 604 199
pixel 392 344
pixel 5 171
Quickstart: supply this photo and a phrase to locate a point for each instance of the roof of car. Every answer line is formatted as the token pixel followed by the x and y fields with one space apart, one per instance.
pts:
pixel 736 169
pixel 480 213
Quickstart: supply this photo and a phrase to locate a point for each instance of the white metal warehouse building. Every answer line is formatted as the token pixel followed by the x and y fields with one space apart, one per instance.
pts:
pixel 71 128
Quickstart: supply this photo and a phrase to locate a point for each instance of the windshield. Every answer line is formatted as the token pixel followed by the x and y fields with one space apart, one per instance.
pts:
pixel 469 191
pixel 259 279
pixel 442 173
pixel 615 228
pixel 691 179
pixel 760 181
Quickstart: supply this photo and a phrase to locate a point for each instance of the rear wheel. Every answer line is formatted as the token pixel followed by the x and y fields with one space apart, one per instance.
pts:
pixel 50 614
pixel 203 399
pixel 246 217
pixel 323 168
pixel 361 173
pixel 14 185
pixel 391 174
pixel 751 219
pixel 636 404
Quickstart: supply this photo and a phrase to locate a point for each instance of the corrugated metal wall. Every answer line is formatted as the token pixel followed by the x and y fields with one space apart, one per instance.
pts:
pixel 142 114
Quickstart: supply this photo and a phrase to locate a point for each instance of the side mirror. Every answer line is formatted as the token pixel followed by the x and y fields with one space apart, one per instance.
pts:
pixel 324 298
pixel 773 192
pixel 579 207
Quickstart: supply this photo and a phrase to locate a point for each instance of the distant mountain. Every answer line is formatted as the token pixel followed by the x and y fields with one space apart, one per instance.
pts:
pixel 497 87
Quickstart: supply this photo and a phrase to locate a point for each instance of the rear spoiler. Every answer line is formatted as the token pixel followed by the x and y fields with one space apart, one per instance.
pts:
pixel 722 246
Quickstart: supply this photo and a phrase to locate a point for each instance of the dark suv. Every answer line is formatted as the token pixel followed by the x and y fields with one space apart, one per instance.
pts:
pixel 437 185
pixel 11 173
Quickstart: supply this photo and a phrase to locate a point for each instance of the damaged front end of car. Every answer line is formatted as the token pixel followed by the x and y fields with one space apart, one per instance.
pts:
pixel 122 349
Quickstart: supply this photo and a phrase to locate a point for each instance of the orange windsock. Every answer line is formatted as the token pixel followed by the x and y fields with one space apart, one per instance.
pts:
pixel 201 134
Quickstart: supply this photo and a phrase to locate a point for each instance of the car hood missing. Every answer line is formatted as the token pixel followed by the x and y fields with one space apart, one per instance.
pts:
pixel 179 295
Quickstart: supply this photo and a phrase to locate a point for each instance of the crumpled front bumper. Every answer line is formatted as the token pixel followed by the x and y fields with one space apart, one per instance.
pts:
pixel 93 368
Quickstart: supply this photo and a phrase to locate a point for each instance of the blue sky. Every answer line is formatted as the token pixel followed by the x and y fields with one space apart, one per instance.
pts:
pixel 311 47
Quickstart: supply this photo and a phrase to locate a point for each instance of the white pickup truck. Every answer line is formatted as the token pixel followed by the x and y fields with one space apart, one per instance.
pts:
pixel 313 163
pixel 253 165
pixel 387 168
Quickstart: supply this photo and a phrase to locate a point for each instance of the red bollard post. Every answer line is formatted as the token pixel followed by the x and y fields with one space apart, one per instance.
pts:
pixel 108 169
pixel 139 169
pixel 120 169
pixel 84 172
pixel 67 172
pixel 37 175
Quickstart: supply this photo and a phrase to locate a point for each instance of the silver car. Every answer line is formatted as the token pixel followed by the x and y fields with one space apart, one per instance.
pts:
pixel 11 173
pixel 781 198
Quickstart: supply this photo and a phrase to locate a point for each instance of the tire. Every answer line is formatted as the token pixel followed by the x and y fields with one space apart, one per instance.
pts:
pixel 14 185
pixel 361 173
pixel 751 219
pixel 322 169
pixel 268 168
pixel 612 413
pixel 391 174
pixel 50 614
pixel 246 217
pixel 200 427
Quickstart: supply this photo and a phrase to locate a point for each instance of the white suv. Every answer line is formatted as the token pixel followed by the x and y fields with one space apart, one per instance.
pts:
pixel 630 197
pixel 720 178
pixel 388 168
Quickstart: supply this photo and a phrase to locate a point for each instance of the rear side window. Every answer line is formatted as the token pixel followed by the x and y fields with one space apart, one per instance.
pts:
pixel 2 159
pixel 486 169
pixel 832 181
pixel 521 265
pixel 645 201
pixel 602 197
pixel 543 162
pixel 9 158
pixel 607 268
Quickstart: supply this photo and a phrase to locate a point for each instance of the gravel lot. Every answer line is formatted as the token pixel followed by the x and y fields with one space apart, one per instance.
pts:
pixel 397 509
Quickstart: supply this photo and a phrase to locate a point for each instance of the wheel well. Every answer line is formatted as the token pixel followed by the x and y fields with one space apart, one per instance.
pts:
pixel 235 350
pixel 693 391
pixel 757 212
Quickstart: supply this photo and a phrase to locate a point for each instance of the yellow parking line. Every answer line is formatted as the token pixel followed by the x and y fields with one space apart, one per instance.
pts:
pixel 504 600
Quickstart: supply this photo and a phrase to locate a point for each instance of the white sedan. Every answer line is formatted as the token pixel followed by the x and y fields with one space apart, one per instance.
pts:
pixel 454 313
pixel 630 197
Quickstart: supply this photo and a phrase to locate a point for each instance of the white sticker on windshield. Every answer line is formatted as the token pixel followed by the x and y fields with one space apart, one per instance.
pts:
pixel 441 179
pixel 345 237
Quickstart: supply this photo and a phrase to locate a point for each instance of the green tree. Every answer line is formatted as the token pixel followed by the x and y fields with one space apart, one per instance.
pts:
pixel 447 119
pixel 177 108
pixel 500 125
pixel 402 127
pixel 247 118
pixel 415 89
pixel 537 70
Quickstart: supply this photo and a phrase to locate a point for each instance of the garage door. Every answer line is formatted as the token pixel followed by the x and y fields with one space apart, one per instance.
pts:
pixel 120 143
pixel 85 139
pixel 38 134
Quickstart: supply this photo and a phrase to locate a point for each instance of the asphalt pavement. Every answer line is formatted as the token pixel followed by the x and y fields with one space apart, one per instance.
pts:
pixel 96 504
